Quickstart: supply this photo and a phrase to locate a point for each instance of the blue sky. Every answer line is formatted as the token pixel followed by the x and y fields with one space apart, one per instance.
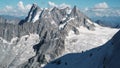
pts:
pixel 44 3
pixel 23 6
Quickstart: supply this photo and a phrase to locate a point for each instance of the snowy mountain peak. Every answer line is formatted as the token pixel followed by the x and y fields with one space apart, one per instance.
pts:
pixel 55 9
pixel 59 16
pixel 74 11
pixel 33 14
pixel 34 5
pixel 48 34
pixel 75 7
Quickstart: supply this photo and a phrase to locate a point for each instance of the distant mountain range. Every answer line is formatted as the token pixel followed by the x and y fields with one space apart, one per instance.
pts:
pixel 47 34
pixel 110 21
pixel 10 19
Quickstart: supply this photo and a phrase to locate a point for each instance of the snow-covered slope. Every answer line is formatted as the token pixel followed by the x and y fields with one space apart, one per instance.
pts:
pixel 47 34
pixel 17 51
pixel 34 14
pixel 105 56
pixel 88 39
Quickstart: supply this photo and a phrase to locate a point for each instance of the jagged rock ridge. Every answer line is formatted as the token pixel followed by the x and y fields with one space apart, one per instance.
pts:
pixel 52 26
pixel 56 24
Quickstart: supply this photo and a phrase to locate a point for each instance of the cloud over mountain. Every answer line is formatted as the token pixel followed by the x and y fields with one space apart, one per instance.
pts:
pixel 19 10
pixel 52 4
pixel 102 5
pixel 102 9
pixel 98 9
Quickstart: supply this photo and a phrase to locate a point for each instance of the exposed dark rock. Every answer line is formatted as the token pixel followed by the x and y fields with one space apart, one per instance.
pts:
pixel 51 35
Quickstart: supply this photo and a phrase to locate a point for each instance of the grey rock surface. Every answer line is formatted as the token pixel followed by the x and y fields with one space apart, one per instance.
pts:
pixel 51 26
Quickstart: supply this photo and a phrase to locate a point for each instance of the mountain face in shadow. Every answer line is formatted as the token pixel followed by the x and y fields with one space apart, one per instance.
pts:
pixel 53 26
pixel 40 37
pixel 46 34
pixel 105 56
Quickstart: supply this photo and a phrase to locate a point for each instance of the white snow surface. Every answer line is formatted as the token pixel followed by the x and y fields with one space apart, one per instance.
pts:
pixel 30 16
pixel 53 22
pixel 63 18
pixel 68 11
pixel 71 18
pixel 3 40
pixel 21 48
pixel 90 59
pixel 88 39
pixel 24 48
pixel 61 26
pixel 89 21
pixel 36 16
pixel 92 56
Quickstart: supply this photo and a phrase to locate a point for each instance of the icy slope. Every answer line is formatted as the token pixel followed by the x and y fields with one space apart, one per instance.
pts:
pixel 88 39
pixel 47 34
pixel 106 56
pixel 18 51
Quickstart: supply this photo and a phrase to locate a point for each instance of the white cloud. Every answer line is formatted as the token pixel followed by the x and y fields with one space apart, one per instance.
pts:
pixel 102 5
pixel 86 9
pixel 20 10
pixel 104 12
pixel 102 9
pixel 28 6
pixel 52 4
pixel 23 7
pixel 63 5
pixel 8 7
pixel 20 5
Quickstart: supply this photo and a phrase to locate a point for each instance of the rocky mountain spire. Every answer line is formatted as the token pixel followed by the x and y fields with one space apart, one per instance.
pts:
pixel 74 12
pixel 33 14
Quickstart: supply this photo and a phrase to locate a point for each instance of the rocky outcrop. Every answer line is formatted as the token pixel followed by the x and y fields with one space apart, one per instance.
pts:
pixel 52 26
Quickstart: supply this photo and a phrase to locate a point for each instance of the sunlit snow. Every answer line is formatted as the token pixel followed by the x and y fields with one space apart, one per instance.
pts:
pixel 88 39
pixel 36 16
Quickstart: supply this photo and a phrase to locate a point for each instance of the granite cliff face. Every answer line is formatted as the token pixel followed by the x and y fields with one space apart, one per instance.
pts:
pixel 54 25
pixel 39 38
